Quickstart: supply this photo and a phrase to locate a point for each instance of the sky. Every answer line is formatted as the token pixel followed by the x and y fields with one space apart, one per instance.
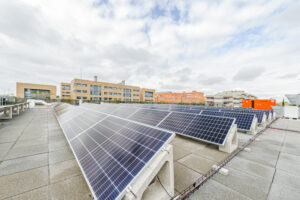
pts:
pixel 203 45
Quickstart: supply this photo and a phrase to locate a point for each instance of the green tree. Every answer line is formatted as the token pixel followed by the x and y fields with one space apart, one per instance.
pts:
pixel 283 102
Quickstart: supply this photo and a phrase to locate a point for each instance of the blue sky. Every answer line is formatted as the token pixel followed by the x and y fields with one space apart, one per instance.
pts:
pixel 177 45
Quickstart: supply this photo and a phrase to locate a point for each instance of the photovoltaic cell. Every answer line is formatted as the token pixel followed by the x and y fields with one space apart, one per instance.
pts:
pixel 111 151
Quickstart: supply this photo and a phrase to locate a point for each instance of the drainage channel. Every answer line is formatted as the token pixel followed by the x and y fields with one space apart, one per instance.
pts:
pixel 197 184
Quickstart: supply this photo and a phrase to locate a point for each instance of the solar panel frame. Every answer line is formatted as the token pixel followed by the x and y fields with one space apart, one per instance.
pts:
pixel 121 194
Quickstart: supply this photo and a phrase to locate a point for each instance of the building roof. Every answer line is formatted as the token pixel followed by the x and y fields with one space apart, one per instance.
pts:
pixel 34 150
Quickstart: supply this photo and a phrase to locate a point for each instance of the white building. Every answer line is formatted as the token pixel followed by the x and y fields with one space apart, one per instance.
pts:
pixel 231 98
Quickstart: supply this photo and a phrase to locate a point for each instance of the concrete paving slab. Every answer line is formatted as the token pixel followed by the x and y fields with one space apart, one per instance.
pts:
pixel 217 191
pixel 4 148
pixel 22 164
pixel 251 186
pixel 60 156
pixel 179 152
pixel 289 163
pixel 251 168
pixel 36 194
pixel 280 192
pixel 72 188
pixel 188 144
pixel 184 177
pixel 26 151
pixel 28 143
pixel 261 155
pixel 63 170
pixel 18 183
pixel 286 179
pixel 59 145
pixel 211 152
pixel 197 163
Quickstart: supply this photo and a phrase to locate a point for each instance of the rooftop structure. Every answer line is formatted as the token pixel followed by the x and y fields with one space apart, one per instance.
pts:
pixel 182 97
pixel 35 91
pixel 232 98
pixel 34 150
pixel 103 91
pixel 293 98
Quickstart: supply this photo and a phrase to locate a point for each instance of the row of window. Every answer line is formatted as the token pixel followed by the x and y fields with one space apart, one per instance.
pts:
pixel 112 93
pixel 80 84
pixel 106 99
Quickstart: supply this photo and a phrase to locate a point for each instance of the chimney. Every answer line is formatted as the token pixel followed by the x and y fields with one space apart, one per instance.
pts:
pixel 95 78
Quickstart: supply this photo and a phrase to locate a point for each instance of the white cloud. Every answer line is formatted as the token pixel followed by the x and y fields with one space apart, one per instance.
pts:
pixel 210 43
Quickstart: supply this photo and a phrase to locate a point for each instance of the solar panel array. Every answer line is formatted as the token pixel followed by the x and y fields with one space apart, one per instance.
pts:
pixel 204 128
pixel 197 109
pixel 244 121
pixel 111 151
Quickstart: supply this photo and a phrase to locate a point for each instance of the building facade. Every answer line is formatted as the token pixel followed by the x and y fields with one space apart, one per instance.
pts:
pixel 183 97
pixel 228 99
pixel 102 91
pixel 35 91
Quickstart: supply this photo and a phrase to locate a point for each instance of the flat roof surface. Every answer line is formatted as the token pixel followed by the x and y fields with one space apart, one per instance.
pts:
pixel 37 163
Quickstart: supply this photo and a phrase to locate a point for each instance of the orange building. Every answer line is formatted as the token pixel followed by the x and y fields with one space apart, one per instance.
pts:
pixel 259 104
pixel 184 97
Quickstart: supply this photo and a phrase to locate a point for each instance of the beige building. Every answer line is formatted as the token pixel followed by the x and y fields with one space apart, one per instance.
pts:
pixel 228 99
pixel 35 91
pixel 96 91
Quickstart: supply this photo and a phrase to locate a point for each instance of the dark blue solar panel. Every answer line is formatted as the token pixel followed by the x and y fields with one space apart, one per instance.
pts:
pixel 177 122
pixel 111 151
pixel 211 129
pixel 259 114
pixel 209 112
pixel 124 111
pixel 149 116
pixel 185 110
pixel 243 121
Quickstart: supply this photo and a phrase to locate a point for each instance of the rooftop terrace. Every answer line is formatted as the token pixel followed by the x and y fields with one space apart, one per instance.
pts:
pixel 37 163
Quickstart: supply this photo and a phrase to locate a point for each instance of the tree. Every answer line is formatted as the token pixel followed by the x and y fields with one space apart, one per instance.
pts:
pixel 283 102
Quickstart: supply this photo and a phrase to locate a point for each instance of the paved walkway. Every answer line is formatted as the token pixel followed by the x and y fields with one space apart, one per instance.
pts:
pixel 270 171
pixel 35 160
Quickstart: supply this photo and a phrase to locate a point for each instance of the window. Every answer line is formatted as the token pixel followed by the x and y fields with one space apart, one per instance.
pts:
pixel 136 90
pixel 36 94
pixel 136 95
pixel 126 100
pixel 80 91
pixel 148 94
pixel 110 88
pixel 78 97
pixel 95 90
pixel 80 84
pixel 96 98
pixel 68 86
pixel 126 92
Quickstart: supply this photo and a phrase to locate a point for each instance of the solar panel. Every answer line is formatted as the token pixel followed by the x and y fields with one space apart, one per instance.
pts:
pixel 148 116
pixel 209 112
pixel 177 122
pixel 180 122
pixel 211 129
pixel 259 114
pixel 185 110
pixel 111 151
pixel 244 121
